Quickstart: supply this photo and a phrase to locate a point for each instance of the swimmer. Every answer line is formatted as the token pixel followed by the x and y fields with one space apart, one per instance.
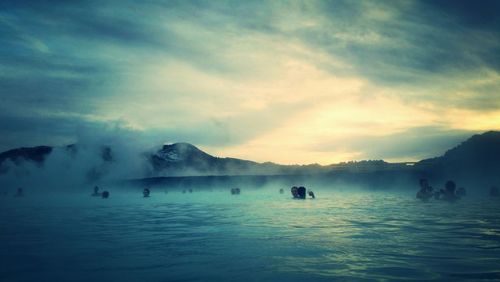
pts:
pixel 105 194
pixel 294 191
pixel 282 191
pixel 449 192
pixel 301 192
pixel 96 191
pixel 425 192
pixel 146 192
pixel 311 194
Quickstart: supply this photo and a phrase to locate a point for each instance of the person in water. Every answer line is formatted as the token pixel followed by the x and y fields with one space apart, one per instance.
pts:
pixel 299 192
pixel 311 194
pixel 105 194
pixel 235 191
pixel 302 192
pixel 425 192
pixel 282 191
pixel 449 192
pixel 96 191
pixel 146 192
pixel 19 193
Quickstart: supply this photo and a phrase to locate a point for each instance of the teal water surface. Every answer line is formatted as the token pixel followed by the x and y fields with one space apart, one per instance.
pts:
pixel 260 235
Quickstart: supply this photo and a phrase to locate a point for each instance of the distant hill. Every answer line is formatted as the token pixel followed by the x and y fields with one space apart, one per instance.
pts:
pixel 19 155
pixel 185 159
pixel 477 158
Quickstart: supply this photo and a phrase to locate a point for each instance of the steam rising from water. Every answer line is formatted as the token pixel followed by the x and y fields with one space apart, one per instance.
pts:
pixel 90 161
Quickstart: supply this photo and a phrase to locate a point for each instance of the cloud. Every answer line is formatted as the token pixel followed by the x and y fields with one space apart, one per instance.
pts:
pixel 251 78
pixel 411 144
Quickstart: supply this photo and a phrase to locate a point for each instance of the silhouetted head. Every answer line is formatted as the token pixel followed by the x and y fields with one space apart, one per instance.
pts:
pixel 295 192
pixel 450 186
pixel 146 192
pixel 301 192
pixel 105 194
pixel 311 194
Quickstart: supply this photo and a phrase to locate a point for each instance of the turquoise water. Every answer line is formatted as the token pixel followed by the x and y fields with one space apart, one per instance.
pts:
pixel 256 236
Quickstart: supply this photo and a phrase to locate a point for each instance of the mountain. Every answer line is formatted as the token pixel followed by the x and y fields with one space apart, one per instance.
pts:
pixel 186 159
pixel 474 160
pixel 103 157
pixel 35 154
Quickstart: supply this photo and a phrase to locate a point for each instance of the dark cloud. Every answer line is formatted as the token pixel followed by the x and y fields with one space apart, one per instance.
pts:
pixel 473 14
pixel 424 38
pixel 63 61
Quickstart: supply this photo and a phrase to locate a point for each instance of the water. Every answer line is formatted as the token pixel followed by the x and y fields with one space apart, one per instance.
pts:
pixel 256 236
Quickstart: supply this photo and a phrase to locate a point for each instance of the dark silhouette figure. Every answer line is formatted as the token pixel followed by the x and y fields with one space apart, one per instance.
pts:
pixel 301 192
pixel 282 191
pixel 146 192
pixel 235 191
pixel 494 192
pixel 311 194
pixel 96 191
pixel 425 192
pixel 105 194
pixel 461 192
pixel 19 192
pixel 449 192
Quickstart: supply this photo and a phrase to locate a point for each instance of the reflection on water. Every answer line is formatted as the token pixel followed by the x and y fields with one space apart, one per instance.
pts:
pixel 255 236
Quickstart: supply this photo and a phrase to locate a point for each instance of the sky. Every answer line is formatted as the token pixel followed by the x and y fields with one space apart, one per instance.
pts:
pixel 292 82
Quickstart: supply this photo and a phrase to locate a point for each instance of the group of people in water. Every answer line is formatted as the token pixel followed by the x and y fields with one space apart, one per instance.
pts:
pixel 297 192
pixel 449 193
pixel 300 192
